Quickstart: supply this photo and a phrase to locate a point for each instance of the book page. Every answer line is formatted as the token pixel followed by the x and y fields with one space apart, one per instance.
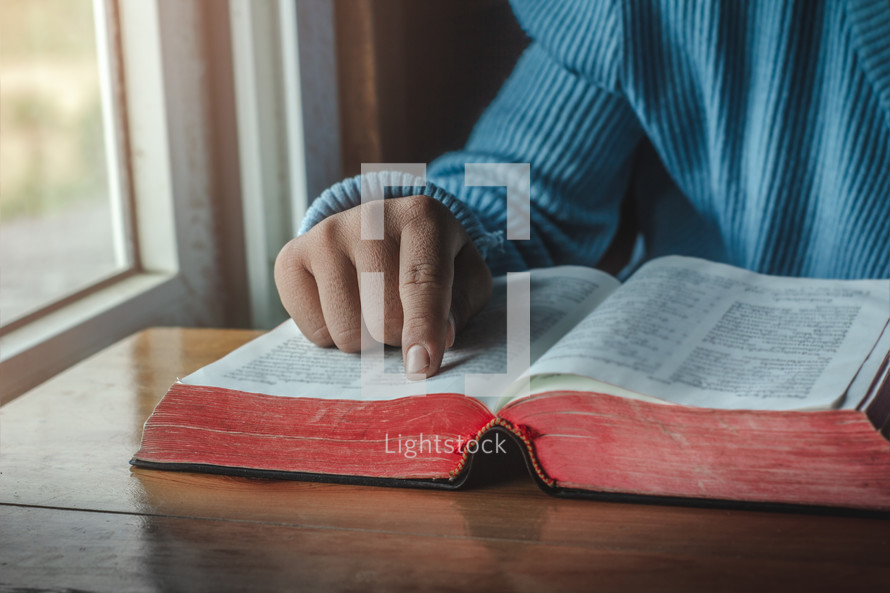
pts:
pixel 697 333
pixel 867 380
pixel 284 363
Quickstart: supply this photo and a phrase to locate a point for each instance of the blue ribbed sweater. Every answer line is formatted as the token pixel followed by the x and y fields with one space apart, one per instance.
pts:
pixel 752 132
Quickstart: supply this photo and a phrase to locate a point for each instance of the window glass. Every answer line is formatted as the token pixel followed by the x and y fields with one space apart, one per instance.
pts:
pixel 61 227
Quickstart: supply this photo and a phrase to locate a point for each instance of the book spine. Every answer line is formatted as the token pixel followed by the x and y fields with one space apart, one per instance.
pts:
pixel 519 434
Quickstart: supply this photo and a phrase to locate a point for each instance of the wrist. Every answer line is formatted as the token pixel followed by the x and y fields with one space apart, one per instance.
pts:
pixel 396 184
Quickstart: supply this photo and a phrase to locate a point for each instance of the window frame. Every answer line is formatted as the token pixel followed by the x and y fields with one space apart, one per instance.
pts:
pixel 285 76
pixel 165 152
pixel 193 81
pixel 108 54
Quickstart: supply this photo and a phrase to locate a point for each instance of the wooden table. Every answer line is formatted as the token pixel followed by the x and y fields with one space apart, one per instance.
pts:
pixel 75 515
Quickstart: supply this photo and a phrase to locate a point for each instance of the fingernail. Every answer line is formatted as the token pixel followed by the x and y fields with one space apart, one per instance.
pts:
pixel 417 362
pixel 451 332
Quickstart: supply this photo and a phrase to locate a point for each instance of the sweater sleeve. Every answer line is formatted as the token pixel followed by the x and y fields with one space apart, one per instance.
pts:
pixel 568 120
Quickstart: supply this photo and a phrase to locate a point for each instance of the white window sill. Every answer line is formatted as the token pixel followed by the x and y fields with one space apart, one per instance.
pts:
pixel 33 353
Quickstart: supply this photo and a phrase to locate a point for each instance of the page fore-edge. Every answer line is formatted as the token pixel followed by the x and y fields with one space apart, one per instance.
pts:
pixel 456 477
pixel 459 476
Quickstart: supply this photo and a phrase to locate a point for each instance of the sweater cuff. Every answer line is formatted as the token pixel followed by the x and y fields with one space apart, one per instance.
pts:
pixel 396 184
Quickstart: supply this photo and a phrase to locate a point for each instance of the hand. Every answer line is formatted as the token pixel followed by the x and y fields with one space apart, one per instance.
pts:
pixel 434 281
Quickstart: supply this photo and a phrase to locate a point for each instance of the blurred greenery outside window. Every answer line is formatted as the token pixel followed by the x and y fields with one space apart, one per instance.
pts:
pixel 63 224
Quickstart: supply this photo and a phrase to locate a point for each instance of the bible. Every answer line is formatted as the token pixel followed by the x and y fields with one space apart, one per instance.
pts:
pixel 691 380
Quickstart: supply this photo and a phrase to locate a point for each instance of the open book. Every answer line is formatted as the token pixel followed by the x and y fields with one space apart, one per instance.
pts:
pixel 692 379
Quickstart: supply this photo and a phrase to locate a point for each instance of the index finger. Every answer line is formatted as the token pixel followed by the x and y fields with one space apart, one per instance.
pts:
pixel 426 275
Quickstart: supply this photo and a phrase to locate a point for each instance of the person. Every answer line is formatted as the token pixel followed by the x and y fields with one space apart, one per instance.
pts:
pixel 754 133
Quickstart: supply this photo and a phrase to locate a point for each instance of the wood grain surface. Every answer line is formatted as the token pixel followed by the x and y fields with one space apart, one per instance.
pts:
pixel 75 515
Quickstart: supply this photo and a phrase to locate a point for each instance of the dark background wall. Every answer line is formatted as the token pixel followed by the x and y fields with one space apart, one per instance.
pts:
pixel 415 75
